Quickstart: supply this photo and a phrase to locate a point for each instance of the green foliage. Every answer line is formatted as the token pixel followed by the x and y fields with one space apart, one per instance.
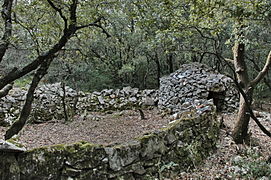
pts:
pixel 144 35
pixel 253 166
pixel 23 82
pixel 262 92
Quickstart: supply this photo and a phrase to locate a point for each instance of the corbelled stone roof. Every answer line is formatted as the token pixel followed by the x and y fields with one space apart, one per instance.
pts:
pixel 196 81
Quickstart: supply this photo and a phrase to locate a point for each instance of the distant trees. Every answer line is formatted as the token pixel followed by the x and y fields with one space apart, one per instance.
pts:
pixel 134 43
pixel 49 27
pixel 215 30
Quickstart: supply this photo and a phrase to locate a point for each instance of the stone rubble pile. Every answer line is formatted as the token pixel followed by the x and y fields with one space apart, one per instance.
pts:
pixel 194 82
pixel 48 101
pixel 193 108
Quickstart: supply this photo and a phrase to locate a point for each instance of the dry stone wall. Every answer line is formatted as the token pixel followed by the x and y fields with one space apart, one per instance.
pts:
pixel 48 101
pixel 193 82
pixel 182 144
pixel 190 93
pixel 181 89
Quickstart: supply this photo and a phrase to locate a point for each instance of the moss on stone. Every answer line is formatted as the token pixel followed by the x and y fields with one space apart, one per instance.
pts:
pixel 15 142
pixel 185 142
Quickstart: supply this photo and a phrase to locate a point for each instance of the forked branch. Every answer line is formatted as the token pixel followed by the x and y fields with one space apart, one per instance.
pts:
pixel 262 73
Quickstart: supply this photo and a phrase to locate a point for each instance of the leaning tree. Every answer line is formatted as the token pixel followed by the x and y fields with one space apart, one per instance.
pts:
pixel 236 19
pixel 239 16
pixel 56 20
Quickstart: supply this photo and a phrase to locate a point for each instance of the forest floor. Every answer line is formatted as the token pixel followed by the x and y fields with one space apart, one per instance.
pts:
pixel 233 161
pixel 228 161
pixel 99 128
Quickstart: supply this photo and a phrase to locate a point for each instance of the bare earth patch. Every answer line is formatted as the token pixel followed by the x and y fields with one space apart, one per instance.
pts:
pixel 98 128
pixel 123 126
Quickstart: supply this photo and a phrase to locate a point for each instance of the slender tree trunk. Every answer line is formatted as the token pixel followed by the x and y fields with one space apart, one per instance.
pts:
pixel 240 132
pixel 63 98
pixel 6 15
pixel 158 65
pixel 170 63
pixel 17 126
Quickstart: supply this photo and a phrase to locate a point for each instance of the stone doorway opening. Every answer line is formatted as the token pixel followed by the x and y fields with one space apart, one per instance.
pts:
pixel 218 99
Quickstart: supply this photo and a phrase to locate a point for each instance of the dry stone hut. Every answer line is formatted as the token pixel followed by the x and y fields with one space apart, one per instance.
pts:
pixel 194 82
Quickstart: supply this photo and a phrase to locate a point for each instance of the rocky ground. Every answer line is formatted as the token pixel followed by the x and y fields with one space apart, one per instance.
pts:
pixel 232 161
pixel 229 161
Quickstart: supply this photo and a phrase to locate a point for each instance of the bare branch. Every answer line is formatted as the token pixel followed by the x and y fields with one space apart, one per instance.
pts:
pixel 95 24
pixel 262 73
pixel 59 12
pixel 229 60
pixel 257 68
pixel 5 90
pixel 201 34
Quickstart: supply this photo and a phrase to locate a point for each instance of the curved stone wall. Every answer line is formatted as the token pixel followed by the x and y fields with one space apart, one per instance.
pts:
pixel 184 143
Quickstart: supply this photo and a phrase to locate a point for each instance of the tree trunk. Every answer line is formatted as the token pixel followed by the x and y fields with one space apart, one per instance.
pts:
pixel 158 65
pixel 6 15
pixel 17 126
pixel 170 63
pixel 240 132
pixel 63 98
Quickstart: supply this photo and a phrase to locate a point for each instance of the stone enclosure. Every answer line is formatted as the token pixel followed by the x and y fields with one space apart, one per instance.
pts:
pixel 182 144
pixel 177 92
pixel 191 94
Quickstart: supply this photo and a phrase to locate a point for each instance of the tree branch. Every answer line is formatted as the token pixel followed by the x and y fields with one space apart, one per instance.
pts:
pixel 19 124
pixel 5 90
pixel 59 12
pixel 73 8
pixel 67 33
pixel 95 24
pixel 257 68
pixel 262 73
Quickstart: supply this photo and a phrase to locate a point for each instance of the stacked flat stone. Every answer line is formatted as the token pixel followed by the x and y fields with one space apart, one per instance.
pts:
pixel 196 81
pixel 47 104
pixel 119 99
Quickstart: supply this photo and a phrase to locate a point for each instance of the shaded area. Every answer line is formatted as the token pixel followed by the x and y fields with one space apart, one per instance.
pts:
pixel 218 99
